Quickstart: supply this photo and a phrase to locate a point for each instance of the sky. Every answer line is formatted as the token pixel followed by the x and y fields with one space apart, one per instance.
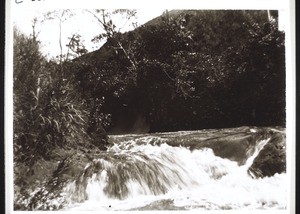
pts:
pixel 81 23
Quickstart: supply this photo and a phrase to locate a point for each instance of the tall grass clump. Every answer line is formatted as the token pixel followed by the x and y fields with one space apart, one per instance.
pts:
pixel 48 111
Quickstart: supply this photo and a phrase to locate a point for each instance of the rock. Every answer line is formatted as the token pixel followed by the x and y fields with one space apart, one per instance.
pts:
pixel 40 186
pixel 271 159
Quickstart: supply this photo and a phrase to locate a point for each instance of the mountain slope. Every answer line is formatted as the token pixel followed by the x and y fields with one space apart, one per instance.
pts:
pixel 191 69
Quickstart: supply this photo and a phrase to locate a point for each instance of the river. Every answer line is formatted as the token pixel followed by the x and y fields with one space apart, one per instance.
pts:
pixel 188 170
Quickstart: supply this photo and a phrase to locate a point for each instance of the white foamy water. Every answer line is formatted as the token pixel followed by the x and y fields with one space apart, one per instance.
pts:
pixel 140 176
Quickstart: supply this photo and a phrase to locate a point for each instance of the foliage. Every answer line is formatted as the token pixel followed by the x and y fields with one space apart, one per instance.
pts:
pixel 184 70
pixel 76 47
pixel 194 69
pixel 48 111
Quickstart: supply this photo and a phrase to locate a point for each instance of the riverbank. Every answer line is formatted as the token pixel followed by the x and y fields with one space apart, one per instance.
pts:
pixel 35 186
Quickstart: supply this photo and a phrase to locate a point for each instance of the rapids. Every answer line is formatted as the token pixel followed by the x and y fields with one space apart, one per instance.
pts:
pixel 208 169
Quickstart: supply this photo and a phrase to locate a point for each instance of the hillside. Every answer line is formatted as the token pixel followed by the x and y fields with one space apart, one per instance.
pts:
pixel 192 69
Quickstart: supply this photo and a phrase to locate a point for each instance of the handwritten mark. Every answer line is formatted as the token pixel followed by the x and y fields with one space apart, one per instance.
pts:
pixel 18 2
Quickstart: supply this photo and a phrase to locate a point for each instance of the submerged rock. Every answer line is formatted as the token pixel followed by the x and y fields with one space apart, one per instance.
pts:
pixel 164 204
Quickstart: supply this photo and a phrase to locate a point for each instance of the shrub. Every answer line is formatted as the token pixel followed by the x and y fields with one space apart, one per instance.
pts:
pixel 48 112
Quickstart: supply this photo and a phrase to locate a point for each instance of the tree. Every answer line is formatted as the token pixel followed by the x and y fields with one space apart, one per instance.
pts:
pixel 112 33
pixel 192 69
pixel 103 82
pixel 76 47
pixel 61 16
pixel 262 67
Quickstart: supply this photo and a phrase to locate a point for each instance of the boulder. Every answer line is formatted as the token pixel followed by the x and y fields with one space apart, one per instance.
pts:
pixel 271 159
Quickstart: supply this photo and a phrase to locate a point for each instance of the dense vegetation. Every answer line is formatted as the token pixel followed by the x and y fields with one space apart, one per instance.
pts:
pixel 190 70
pixel 48 111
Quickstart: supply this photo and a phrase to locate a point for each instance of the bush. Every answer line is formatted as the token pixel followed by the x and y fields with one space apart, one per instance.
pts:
pixel 48 111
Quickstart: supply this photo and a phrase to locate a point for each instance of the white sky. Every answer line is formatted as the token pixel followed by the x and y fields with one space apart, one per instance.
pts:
pixel 82 23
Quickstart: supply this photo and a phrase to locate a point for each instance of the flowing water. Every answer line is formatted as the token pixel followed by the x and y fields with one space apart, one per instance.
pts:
pixel 179 171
